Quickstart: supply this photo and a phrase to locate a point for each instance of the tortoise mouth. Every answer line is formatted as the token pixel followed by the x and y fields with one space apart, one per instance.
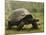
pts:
pixel 35 20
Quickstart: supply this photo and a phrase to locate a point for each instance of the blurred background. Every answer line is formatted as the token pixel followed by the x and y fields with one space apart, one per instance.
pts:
pixel 36 8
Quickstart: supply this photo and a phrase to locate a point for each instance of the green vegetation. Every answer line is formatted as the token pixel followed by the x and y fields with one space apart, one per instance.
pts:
pixel 37 10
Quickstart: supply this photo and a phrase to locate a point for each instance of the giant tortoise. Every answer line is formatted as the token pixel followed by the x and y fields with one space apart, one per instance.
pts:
pixel 21 17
